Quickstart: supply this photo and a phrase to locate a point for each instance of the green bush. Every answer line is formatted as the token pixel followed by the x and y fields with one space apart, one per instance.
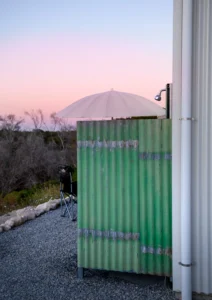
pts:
pixel 11 199
pixel 18 198
pixel 39 193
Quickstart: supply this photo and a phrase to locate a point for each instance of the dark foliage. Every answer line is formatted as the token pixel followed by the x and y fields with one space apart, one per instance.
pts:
pixel 30 158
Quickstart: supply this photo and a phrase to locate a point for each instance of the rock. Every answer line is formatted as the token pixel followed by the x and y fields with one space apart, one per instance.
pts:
pixel 58 202
pixel 30 215
pixel 23 218
pixel 20 216
pixel 27 213
pixel 39 212
pixel 6 217
pixel 40 206
pixel 18 220
pixel 6 227
pixel 43 206
pixel 9 223
pixel 52 206
pixel 22 211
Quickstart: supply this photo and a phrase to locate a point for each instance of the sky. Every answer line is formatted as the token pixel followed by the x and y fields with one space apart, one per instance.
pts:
pixel 54 52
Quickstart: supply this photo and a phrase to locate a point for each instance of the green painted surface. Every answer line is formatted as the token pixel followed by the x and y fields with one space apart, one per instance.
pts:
pixel 124 196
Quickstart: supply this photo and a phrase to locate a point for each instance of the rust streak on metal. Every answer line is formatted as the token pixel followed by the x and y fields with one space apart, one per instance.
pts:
pixel 108 144
pixel 110 234
pixel 157 251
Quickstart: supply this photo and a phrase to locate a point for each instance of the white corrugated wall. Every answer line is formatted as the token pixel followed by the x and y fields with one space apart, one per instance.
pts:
pixel 201 145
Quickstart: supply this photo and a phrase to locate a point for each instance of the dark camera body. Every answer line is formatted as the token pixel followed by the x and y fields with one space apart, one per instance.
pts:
pixel 68 186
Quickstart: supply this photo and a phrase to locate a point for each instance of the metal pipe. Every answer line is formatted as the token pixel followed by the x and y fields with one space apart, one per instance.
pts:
pixel 186 152
pixel 158 98
pixel 167 101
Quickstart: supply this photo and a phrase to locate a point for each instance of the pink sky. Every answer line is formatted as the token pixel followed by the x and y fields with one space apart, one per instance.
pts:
pixel 51 73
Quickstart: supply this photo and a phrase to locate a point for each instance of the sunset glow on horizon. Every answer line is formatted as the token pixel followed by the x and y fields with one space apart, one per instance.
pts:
pixel 51 68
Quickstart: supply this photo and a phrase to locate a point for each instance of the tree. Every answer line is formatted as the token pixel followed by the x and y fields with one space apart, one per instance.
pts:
pixel 61 127
pixel 28 158
pixel 65 135
pixel 37 118
pixel 10 124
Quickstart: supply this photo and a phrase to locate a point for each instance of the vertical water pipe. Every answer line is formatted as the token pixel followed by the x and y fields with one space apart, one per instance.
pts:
pixel 186 120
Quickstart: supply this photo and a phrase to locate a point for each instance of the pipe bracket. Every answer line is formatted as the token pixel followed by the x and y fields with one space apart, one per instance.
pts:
pixel 185 265
pixel 187 119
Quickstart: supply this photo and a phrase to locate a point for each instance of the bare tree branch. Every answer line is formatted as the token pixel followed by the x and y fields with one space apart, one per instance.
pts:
pixel 36 117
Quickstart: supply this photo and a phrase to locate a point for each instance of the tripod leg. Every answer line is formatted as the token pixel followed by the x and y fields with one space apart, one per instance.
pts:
pixel 61 204
pixel 62 199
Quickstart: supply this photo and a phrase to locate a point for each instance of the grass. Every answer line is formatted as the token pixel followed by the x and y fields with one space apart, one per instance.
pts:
pixel 30 197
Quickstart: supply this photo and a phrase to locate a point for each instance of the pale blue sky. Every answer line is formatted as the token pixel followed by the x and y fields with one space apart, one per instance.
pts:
pixel 130 19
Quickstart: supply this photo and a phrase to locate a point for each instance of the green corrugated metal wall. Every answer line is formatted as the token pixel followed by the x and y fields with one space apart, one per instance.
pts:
pixel 124 196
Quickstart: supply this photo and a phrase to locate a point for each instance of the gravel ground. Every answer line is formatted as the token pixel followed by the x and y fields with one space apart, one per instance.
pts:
pixel 38 260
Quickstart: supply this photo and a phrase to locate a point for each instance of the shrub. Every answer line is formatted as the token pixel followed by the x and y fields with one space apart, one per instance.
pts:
pixel 39 193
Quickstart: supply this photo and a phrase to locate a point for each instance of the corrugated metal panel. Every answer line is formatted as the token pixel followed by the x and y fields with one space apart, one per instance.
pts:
pixel 201 148
pixel 124 195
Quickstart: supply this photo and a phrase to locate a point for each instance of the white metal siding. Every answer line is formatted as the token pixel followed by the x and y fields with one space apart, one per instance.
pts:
pixel 201 145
